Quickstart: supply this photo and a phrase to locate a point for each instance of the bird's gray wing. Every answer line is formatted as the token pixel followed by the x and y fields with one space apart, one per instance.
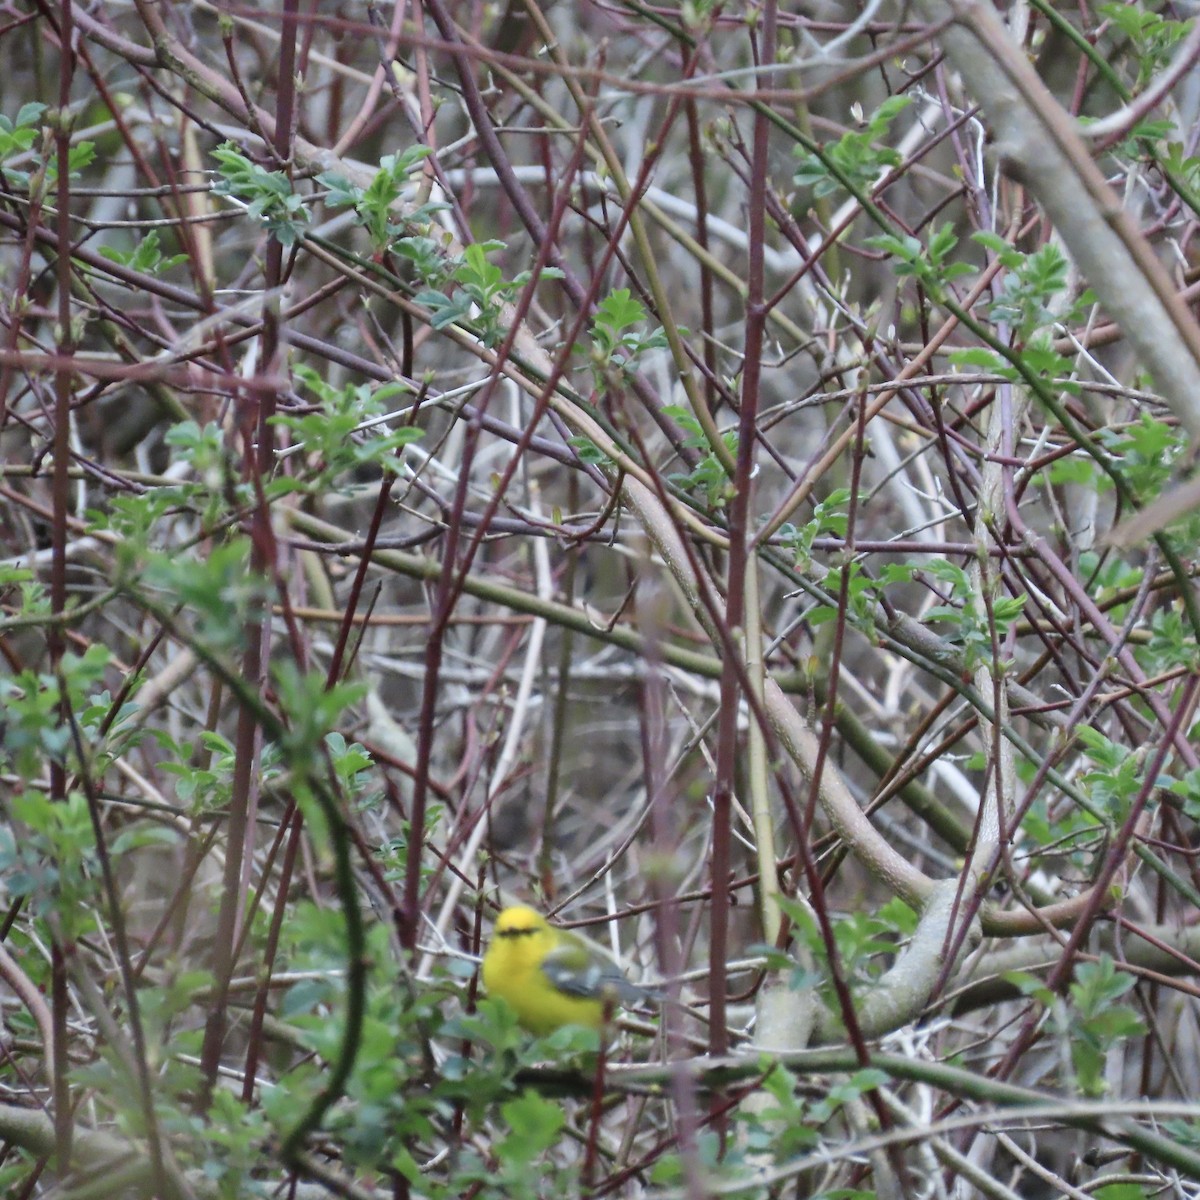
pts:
pixel 595 981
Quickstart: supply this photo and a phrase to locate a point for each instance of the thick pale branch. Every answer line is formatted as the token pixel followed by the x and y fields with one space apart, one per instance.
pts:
pixel 1041 148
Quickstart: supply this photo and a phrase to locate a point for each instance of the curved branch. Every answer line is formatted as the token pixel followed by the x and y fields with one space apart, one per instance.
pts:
pixel 1041 148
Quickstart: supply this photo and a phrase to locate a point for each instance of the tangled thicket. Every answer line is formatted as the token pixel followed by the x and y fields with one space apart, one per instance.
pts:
pixel 717 472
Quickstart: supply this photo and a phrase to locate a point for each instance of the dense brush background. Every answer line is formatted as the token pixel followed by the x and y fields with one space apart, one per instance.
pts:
pixel 716 472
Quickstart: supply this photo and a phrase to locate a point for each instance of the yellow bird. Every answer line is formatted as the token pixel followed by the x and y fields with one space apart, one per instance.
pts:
pixel 551 977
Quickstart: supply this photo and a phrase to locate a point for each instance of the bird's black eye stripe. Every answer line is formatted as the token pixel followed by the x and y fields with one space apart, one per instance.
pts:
pixel 513 933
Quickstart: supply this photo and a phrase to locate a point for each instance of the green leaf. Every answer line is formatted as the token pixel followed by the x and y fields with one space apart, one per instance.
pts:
pixel 268 195
pixel 145 256
pixel 856 159
pixel 1120 1191
pixel 535 1124
pixel 1029 985
pixel 588 451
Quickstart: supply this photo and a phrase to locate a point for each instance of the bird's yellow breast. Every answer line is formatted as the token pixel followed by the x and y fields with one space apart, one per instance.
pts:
pixel 512 969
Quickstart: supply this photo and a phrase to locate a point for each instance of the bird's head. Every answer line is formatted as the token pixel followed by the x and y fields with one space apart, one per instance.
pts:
pixel 520 921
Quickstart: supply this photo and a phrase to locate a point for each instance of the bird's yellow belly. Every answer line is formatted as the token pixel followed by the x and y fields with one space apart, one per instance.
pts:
pixel 540 1006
